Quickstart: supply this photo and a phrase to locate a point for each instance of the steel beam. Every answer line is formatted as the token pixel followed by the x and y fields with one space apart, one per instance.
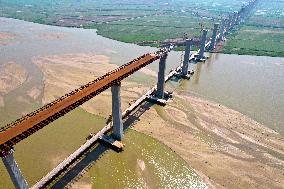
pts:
pixel 14 171
pixel 116 112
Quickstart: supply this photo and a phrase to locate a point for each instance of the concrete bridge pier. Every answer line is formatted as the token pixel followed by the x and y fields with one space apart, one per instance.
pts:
pixel 201 56
pixel 160 93
pixel 188 44
pixel 238 21
pixel 14 170
pixel 213 38
pixel 241 13
pixel 226 27
pixel 235 18
pixel 159 97
pixel 222 30
pixel 230 23
pixel 116 112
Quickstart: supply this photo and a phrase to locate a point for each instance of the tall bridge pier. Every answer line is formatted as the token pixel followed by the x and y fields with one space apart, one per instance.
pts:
pixel 235 19
pixel 160 93
pixel 184 71
pixel 14 170
pixel 222 30
pixel 159 96
pixel 116 112
pixel 201 56
pixel 230 22
pixel 213 38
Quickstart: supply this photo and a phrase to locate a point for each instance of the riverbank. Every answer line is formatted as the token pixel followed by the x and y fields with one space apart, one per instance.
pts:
pixel 225 147
pixel 154 23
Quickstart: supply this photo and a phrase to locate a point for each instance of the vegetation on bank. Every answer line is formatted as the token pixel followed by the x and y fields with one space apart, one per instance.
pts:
pixel 151 23
pixel 262 34
pixel 256 41
pixel 153 29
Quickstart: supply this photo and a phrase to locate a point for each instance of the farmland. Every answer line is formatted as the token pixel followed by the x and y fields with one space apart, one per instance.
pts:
pixel 153 22
pixel 262 34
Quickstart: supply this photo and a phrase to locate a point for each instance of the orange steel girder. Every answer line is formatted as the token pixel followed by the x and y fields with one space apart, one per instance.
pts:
pixel 31 123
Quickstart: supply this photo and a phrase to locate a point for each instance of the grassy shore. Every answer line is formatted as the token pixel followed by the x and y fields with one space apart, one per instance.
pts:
pixel 262 34
pixel 147 23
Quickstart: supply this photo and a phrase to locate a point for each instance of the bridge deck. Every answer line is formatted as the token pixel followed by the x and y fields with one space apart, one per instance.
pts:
pixel 36 120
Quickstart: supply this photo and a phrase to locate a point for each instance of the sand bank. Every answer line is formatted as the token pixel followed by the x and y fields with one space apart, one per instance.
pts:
pixel 64 73
pixel 6 36
pixel 12 75
pixel 225 147
pixel 51 36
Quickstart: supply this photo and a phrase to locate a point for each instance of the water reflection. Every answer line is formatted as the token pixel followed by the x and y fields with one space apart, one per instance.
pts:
pixel 197 73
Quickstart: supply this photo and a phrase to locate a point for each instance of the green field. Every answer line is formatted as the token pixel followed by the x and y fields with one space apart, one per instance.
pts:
pixel 154 28
pixel 256 41
pixel 262 34
pixel 151 22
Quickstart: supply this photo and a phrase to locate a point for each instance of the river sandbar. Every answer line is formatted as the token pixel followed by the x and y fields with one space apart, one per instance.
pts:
pixel 12 75
pixel 228 149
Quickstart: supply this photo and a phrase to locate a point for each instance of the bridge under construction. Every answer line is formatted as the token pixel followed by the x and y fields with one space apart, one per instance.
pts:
pixel 27 125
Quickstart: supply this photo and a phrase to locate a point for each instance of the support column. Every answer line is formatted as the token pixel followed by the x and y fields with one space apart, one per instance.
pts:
pixel 188 43
pixel 213 38
pixel 116 112
pixel 161 77
pixel 14 171
pixel 234 17
pixel 202 44
pixel 238 21
pixel 241 14
pixel 222 30
pixel 230 22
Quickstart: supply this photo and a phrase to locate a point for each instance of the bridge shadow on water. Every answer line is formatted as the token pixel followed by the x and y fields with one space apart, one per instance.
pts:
pixel 75 172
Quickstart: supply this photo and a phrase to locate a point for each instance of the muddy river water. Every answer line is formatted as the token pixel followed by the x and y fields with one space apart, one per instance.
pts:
pixel 249 84
pixel 252 85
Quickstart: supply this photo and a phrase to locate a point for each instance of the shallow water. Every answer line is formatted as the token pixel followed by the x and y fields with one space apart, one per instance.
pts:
pixel 253 85
pixel 152 165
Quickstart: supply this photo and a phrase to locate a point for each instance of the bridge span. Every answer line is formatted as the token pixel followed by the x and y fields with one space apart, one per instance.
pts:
pixel 24 127
pixel 29 124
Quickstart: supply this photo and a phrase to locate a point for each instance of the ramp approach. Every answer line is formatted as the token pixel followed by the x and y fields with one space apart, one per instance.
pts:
pixel 22 128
